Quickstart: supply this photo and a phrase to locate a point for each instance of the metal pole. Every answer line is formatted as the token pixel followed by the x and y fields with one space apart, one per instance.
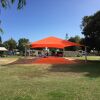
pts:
pixel 85 54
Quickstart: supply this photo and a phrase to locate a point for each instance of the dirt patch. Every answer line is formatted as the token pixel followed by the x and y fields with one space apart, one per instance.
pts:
pixel 23 61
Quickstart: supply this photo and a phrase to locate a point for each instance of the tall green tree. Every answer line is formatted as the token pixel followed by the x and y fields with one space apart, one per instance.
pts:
pixel 22 43
pixel 91 29
pixel 10 44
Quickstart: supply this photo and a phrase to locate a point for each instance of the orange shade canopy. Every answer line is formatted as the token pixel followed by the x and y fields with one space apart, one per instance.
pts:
pixel 53 42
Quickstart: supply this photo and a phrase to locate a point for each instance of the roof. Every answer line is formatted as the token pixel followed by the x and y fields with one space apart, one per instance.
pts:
pixel 53 42
pixel 3 49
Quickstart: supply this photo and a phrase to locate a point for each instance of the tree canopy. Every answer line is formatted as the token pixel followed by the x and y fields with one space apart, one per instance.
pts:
pixel 7 3
pixel 75 39
pixel 22 43
pixel 10 44
pixel 1 45
pixel 91 29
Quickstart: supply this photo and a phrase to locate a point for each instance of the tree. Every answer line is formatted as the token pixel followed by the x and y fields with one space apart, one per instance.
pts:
pixel 91 30
pixel 22 43
pixel 1 45
pixel 0 27
pixel 7 3
pixel 75 39
pixel 10 44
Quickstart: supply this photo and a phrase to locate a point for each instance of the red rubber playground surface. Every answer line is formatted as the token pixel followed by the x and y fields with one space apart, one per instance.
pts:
pixel 53 60
pixel 47 60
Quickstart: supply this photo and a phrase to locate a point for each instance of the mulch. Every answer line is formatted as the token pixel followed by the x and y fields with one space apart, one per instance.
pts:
pixel 46 60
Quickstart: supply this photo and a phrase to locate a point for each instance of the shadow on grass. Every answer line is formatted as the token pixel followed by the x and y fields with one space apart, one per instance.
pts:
pixel 91 68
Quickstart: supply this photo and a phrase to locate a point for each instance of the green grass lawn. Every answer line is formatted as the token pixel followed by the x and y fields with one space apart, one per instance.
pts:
pixel 88 58
pixel 50 82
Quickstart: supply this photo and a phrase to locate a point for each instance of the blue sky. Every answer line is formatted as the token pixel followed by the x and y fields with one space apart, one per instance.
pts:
pixel 43 18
